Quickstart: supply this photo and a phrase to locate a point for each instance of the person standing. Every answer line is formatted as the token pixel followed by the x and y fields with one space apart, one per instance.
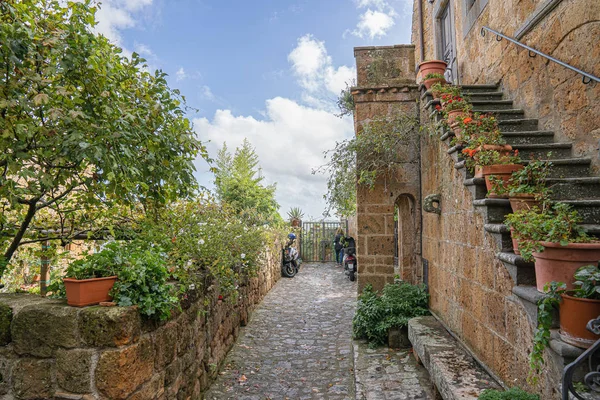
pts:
pixel 338 246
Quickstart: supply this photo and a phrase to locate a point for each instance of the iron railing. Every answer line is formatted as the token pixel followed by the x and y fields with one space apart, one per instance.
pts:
pixel 588 382
pixel 587 78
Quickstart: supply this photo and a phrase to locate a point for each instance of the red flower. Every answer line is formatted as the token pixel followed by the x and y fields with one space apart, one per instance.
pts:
pixel 438 107
pixel 173 239
pixel 467 120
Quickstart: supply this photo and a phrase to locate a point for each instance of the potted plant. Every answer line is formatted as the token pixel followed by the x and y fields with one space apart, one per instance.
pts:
pixel 433 78
pixel 438 89
pixel 88 281
pixel 497 168
pixel 527 187
pixel 295 215
pixel 576 308
pixel 432 66
pixel 471 127
pixel 553 238
pixel 454 106
pixel 486 148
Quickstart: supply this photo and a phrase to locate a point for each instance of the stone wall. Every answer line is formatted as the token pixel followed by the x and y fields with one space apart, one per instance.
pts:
pixel 385 88
pixel 545 90
pixel 50 350
pixel 471 289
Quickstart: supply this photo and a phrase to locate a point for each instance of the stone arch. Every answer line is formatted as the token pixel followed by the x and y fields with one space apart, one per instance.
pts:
pixel 407 238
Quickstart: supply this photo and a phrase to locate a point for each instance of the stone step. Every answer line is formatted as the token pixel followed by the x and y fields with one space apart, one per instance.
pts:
pixel 528 137
pixel 502 115
pixel 452 368
pixel 486 96
pixel 588 209
pixel 522 272
pixel 569 167
pixel 544 150
pixel 582 188
pixel 518 125
pixel 492 104
pixel 479 88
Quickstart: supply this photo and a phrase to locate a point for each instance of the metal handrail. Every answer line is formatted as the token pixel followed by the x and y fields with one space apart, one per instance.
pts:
pixel 587 78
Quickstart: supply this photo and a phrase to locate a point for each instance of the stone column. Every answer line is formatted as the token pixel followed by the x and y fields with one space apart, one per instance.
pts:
pixel 386 87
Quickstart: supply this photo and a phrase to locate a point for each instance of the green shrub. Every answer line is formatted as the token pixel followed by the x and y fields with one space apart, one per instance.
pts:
pixel 398 303
pixel 512 394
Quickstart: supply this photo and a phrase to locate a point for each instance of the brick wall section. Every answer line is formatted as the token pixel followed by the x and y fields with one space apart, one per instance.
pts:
pixel 545 90
pixel 50 350
pixel 385 87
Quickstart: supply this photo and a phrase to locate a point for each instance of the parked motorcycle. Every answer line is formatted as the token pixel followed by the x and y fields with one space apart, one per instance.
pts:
pixel 290 262
pixel 350 262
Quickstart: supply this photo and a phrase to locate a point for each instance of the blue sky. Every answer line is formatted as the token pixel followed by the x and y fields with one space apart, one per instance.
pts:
pixel 268 70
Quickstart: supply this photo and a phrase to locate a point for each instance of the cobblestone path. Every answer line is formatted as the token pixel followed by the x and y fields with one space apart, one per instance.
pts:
pixel 298 344
pixel 389 374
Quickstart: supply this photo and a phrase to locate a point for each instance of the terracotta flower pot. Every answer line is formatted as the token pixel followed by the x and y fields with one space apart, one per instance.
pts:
pixel 514 242
pixel 574 314
pixel 502 171
pixel 87 292
pixel 430 82
pixel 559 263
pixel 432 67
pixel 457 130
pixel 453 116
pixel 523 201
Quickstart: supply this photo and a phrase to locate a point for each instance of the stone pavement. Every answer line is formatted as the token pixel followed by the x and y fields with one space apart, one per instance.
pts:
pixel 298 345
pixel 389 374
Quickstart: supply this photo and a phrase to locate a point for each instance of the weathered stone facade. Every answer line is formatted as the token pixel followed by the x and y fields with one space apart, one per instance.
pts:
pixel 544 89
pixel 50 350
pixel 385 88
pixel 470 288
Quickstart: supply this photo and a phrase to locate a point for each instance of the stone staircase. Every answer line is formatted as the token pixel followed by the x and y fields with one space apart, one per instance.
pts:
pixel 570 180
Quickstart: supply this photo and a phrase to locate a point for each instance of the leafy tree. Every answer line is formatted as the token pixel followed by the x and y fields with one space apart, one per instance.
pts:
pixel 345 100
pixel 239 184
pixel 373 153
pixel 82 127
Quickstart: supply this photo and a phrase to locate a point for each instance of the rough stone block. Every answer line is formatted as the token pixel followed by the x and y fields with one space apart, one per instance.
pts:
pixel 109 326
pixel 73 368
pixel 380 245
pixel 32 379
pixel 120 372
pixel 453 371
pixel 7 361
pixel 165 345
pixel 40 329
pixel 6 316
pixel 151 390
pixel 398 338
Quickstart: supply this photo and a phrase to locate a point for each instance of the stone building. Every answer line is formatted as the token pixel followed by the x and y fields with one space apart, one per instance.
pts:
pixel 480 290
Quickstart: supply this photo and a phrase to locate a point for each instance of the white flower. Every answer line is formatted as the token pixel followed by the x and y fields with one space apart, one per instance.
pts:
pixel 201 242
pixel 192 286
pixel 243 256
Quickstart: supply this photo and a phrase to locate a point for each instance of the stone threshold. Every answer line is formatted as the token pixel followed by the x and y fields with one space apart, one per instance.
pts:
pixel 453 369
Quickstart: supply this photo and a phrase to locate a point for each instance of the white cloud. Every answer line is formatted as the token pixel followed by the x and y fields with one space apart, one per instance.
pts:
pixel 207 93
pixel 376 21
pixel 315 70
pixel 374 24
pixel 143 50
pixel 289 141
pixel 180 74
pixel 116 15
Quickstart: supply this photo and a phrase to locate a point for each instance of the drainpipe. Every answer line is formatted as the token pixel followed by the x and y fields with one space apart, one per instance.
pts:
pixel 421 33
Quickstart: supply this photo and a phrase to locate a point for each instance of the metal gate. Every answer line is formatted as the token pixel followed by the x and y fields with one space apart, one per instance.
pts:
pixel 316 240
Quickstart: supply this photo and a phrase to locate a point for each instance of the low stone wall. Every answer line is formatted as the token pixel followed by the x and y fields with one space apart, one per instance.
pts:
pixel 49 350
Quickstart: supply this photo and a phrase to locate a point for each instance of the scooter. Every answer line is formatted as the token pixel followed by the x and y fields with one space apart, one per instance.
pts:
pixel 350 262
pixel 290 263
